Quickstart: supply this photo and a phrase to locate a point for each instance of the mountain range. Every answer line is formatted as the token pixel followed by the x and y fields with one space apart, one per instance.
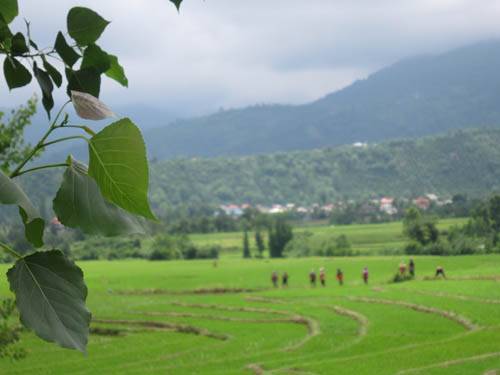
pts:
pixel 415 97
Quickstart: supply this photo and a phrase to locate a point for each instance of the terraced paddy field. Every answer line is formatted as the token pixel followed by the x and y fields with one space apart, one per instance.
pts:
pixel 193 318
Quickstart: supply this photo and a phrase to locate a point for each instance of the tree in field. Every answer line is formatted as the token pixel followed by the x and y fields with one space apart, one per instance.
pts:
pixel 280 233
pixel 420 228
pixel 107 197
pixel 259 243
pixel 246 245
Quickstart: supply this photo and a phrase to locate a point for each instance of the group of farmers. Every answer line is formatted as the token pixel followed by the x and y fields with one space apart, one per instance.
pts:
pixel 404 270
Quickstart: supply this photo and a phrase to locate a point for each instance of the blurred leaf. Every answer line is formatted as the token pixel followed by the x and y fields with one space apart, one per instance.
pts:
pixel 94 216
pixel 67 53
pixel 53 72
pixel 177 3
pixel 89 107
pixel 84 80
pixel 9 10
pixel 11 193
pixel 50 296
pixel 47 87
pixel 116 71
pixel 15 73
pixel 119 166
pixel 5 33
pixel 85 26
pixel 18 46
pixel 95 57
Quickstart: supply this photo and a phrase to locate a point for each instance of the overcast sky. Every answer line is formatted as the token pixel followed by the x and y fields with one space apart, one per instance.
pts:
pixel 231 53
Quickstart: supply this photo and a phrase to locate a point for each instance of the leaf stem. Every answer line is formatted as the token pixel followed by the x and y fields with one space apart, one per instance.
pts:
pixel 10 250
pixel 40 143
pixel 64 139
pixel 47 166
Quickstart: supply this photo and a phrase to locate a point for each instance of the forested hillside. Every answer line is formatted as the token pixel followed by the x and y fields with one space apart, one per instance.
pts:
pixel 413 98
pixel 459 162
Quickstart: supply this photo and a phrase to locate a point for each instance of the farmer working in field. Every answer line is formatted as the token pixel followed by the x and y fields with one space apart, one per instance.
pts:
pixel 322 276
pixel 284 279
pixel 274 278
pixel 340 276
pixel 402 268
pixel 312 278
pixel 365 275
pixel 411 268
pixel 440 272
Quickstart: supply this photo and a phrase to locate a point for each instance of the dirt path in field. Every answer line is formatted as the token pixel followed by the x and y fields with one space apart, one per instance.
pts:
pixel 465 278
pixel 147 292
pixel 164 326
pixel 463 321
pixel 276 301
pixel 491 372
pixel 451 362
pixel 359 318
pixel 454 296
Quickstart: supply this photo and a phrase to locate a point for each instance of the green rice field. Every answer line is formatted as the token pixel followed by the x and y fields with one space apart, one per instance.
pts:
pixel 197 317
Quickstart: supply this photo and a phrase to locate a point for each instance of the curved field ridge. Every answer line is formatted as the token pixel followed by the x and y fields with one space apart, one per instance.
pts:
pixel 313 327
pixel 452 362
pixel 455 296
pixel 152 325
pixel 154 291
pixel 463 321
pixel 359 318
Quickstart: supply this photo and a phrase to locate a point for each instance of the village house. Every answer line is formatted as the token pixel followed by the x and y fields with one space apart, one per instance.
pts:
pixel 422 202
pixel 387 206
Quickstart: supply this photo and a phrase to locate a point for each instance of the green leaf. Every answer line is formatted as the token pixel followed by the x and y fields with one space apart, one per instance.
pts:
pixel 11 193
pixel 84 80
pixel 47 87
pixel 119 166
pixel 67 53
pixel 50 296
pixel 95 57
pixel 85 26
pixel 94 216
pixel 15 73
pixel 116 71
pixel 53 72
pixel 5 33
pixel 177 3
pixel 9 10
pixel 18 46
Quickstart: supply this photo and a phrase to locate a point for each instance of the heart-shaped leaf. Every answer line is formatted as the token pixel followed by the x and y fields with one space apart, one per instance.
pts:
pixel 75 209
pixel 67 53
pixel 89 107
pixel 15 73
pixel 117 162
pixel 11 193
pixel 95 57
pixel 19 45
pixel 46 86
pixel 84 25
pixel 177 3
pixel 116 71
pixel 50 296
pixel 53 72
pixel 84 80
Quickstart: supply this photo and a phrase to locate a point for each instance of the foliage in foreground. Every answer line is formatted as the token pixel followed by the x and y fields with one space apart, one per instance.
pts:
pixel 106 197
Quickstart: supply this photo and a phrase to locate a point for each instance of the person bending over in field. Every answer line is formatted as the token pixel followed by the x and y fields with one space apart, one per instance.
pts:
pixel 440 272
pixel 322 276
pixel 411 268
pixel 274 278
pixel 402 268
pixel 365 275
pixel 312 278
pixel 340 276
pixel 284 279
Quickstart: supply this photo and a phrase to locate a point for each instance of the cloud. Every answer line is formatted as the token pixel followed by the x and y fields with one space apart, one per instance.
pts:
pixel 226 53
